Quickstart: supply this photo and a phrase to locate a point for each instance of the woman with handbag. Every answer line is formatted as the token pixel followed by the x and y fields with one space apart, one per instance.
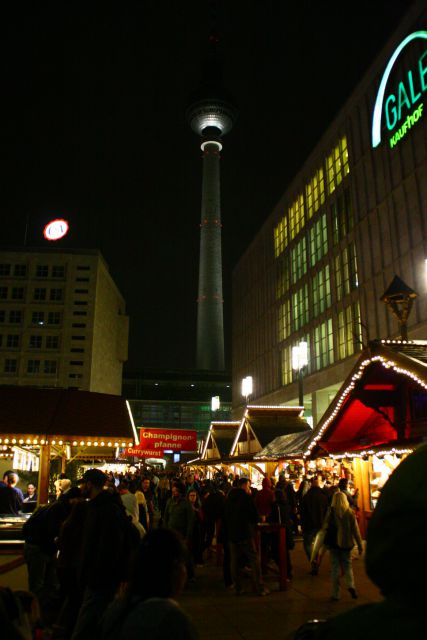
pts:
pixel 341 534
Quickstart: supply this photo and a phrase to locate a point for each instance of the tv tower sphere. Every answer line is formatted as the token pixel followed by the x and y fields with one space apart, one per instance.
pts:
pixel 209 114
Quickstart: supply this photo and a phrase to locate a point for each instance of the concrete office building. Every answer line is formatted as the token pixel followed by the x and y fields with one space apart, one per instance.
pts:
pixel 353 218
pixel 62 321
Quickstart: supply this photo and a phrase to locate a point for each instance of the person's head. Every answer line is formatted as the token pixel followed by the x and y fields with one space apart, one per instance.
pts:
pixel 31 489
pixel 11 478
pixel 190 478
pixel 339 503
pixel 92 483
pixel 343 484
pixel 146 484
pixel 178 490
pixel 161 556
pixel 193 497
pixel 266 483
pixel 244 483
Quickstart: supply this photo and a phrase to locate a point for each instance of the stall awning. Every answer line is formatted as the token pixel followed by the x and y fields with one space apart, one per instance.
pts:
pixel 30 414
pixel 382 403
pixel 284 447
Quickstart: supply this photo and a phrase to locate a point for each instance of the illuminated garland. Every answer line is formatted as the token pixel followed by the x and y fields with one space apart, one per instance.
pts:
pixel 370 452
pixel 75 443
pixel 387 364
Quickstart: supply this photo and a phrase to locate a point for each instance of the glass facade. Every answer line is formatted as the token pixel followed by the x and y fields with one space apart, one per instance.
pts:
pixel 316 268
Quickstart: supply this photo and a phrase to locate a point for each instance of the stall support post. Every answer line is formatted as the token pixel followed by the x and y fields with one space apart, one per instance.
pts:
pixel 43 483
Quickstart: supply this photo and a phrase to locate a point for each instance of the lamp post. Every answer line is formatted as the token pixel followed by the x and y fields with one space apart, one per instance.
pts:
pixel 299 362
pixel 247 387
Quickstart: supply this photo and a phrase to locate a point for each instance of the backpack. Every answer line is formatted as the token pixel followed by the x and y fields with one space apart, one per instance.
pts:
pixel 36 528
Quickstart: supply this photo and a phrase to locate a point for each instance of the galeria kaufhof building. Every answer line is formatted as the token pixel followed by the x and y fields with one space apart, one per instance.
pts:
pixel 353 217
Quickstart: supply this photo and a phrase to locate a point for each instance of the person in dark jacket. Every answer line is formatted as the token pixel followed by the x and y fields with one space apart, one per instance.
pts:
pixel 395 561
pixel 40 534
pixel 313 509
pixel 281 513
pixel 109 542
pixel 241 517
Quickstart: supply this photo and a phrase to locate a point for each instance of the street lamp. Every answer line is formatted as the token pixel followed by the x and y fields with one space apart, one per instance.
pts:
pixel 247 386
pixel 215 403
pixel 299 362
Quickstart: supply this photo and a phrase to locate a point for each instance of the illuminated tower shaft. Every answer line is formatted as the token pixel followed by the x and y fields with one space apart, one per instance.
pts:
pixel 210 316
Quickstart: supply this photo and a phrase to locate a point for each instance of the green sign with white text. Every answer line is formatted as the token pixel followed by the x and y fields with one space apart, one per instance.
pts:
pixel 401 105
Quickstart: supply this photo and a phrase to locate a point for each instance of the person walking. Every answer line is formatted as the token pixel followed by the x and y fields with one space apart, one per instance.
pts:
pixel 342 522
pixel 313 509
pixel 180 517
pixel 241 517
pixel 108 545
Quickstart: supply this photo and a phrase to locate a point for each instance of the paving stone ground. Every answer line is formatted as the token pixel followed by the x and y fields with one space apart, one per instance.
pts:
pixel 219 613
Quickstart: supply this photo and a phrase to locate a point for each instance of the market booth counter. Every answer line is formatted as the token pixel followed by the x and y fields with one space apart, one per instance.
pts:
pixel 377 418
pixel 38 424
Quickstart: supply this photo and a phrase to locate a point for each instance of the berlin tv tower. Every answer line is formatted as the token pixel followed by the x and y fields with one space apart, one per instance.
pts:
pixel 211 115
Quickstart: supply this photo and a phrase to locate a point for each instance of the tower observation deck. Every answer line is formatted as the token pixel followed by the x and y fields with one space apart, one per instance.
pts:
pixel 211 115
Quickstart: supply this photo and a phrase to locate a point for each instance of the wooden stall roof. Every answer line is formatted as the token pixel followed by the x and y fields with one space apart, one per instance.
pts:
pixel 291 445
pixel 269 422
pixel 67 414
pixel 362 416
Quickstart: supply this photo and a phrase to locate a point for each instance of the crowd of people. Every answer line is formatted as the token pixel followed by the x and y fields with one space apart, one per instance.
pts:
pixel 85 547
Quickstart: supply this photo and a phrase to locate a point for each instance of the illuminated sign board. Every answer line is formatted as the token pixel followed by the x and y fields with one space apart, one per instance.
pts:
pixel 56 229
pixel 402 106
pixel 170 439
pixel 142 452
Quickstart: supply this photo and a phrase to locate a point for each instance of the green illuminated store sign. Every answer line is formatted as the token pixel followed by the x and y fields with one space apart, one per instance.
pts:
pixel 401 107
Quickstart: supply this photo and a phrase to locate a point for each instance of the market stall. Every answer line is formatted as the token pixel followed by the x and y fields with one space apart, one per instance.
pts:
pixel 378 416
pixel 259 427
pixel 214 457
pixel 39 424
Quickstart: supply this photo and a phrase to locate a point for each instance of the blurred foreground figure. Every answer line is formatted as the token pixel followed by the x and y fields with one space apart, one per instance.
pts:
pixel 147 609
pixel 395 561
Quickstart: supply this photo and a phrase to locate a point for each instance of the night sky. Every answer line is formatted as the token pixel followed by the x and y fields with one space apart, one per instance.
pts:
pixel 93 129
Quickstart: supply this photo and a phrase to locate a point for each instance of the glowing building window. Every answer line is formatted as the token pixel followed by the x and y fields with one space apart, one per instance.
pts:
pixel 342 217
pixel 315 193
pixel 318 239
pixel 296 217
pixel 280 236
pixel 282 278
pixel 284 320
pixel 300 313
pixel 299 260
pixel 337 166
pixel 345 272
pixel 349 331
pixel 321 289
pixel 323 345
pixel 286 366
